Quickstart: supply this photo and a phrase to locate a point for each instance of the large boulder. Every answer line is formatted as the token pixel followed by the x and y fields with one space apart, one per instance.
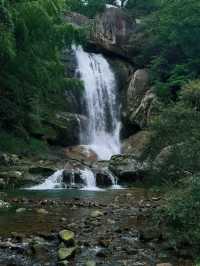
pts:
pixel 61 128
pixel 81 152
pixel 128 168
pixel 140 99
pixel 137 143
pixel 112 32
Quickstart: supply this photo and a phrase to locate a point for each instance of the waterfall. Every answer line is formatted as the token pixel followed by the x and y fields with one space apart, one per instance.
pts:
pixel 102 134
pixel 52 182
pixel 89 180
pixel 88 177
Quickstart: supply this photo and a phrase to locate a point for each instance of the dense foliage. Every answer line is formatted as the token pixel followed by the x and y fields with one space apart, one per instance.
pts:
pixel 88 8
pixel 32 36
pixel 172 46
pixel 174 153
pixel 142 8
pixel 176 133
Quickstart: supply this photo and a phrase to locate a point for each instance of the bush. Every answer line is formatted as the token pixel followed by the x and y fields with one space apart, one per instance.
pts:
pixel 172 32
pixel 182 214
pixel 18 145
pixel 190 94
pixel 175 142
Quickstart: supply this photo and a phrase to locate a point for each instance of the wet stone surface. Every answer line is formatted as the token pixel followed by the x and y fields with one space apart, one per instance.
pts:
pixel 112 230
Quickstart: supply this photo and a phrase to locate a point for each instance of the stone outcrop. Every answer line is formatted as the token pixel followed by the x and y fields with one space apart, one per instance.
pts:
pixel 136 144
pixel 80 152
pixel 25 171
pixel 128 168
pixel 112 32
pixel 59 128
pixel 141 100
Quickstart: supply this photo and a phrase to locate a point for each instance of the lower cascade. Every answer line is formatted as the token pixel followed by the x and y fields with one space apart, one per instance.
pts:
pixel 87 176
pixel 103 132
pixel 52 182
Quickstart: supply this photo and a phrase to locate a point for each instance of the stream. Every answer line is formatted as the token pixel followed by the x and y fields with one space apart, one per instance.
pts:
pixel 112 225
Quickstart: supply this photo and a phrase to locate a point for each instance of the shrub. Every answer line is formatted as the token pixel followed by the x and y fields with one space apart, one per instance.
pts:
pixel 182 213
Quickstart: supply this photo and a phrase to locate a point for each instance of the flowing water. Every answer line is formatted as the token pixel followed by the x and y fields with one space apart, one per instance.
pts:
pixel 103 132
pixel 52 182
pixel 90 180
pixel 87 176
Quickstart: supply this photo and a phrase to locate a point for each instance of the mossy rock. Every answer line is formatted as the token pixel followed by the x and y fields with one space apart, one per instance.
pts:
pixel 67 237
pixel 66 253
pixel 96 214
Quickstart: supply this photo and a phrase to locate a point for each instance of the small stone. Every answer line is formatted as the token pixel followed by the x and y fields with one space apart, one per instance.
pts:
pixel 67 236
pixel 42 211
pixel 96 214
pixel 20 210
pixel 102 253
pixel 164 264
pixel 156 198
pixel 90 263
pixel 111 221
pixel 66 253
pixel 40 248
pixel 63 263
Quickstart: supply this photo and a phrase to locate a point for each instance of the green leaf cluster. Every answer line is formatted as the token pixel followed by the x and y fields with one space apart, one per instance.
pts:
pixel 170 45
pixel 32 36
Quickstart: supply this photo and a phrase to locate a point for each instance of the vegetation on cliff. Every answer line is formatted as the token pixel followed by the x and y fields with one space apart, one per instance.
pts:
pixel 32 76
pixel 171 52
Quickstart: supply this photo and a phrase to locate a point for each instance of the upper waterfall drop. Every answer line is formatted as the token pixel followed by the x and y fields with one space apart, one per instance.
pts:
pixel 103 132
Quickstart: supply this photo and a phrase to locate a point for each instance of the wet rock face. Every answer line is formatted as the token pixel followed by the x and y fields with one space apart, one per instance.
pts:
pixel 112 31
pixel 103 180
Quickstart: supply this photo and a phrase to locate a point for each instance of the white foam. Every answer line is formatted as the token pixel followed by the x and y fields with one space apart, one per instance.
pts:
pixel 52 182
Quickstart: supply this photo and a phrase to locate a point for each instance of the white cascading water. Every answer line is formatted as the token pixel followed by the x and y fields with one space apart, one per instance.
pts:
pixel 52 182
pixel 103 132
pixel 55 181
pixel 89 180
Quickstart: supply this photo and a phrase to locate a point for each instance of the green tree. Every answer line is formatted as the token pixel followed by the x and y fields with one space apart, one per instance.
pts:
pixel 32 37
pixel 175 33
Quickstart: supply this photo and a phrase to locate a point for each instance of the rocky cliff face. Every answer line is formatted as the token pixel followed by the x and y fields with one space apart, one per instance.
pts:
pixel 141 100
pixel 112 32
